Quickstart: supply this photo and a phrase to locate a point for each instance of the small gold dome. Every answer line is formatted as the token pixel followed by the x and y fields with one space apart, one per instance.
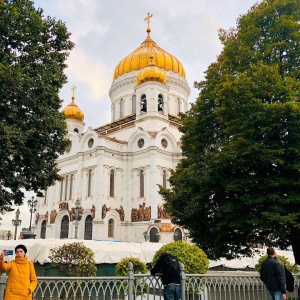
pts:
pixel 72 111
pixel 138 59
pixel 151 73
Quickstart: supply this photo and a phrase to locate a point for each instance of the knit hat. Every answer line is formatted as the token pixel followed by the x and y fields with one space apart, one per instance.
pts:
pixel 21 247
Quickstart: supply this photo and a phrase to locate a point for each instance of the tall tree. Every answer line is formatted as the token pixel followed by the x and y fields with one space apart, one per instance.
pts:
pixel 33 50
pixel 239 183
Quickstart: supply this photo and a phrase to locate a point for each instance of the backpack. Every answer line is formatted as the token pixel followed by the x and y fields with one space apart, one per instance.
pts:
pixel 172 266
pixel 290 282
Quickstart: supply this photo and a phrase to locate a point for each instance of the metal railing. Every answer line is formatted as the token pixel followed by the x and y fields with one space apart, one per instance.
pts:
pixel 247 286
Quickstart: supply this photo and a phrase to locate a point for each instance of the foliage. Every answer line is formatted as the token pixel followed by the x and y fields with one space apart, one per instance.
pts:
pixel 73 260
pixel 288 265
pixel 239 182
pixel 138 266
pixel 33 50
pixel 192 257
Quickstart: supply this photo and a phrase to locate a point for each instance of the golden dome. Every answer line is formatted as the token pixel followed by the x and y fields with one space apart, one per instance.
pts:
pixel 151 73
pixel 139 58
pixel 72 111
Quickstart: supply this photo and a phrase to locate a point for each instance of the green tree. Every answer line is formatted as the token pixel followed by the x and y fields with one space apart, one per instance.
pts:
pixel 73 260
pixel 239 182
pixel 138 266
pixel 33 50
pixel 192 257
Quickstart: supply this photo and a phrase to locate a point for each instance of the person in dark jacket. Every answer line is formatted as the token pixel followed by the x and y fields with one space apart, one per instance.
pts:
pixel 170 280
pixel 272 277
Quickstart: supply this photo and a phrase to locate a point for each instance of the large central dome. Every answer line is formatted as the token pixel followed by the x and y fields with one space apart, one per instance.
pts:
pixel 139 58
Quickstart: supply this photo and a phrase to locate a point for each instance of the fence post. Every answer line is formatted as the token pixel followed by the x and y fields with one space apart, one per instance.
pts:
pixel 130 280
pixel 183 277
pixel 3 279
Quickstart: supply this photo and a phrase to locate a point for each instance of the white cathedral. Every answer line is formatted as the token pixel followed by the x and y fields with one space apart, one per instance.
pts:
pixel 111 174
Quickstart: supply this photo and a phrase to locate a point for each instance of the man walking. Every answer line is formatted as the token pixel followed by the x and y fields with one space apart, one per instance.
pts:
pixel 272 277
pixel 168 265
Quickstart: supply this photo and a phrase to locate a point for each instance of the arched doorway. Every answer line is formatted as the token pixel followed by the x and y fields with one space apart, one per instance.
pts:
pixel 43 229
pixel 177 235
pixel 88 228
pixel 64 227
pixel 111 228
pixel 154 235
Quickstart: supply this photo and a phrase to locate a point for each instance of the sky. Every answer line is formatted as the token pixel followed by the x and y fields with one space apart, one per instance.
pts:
pixel 105 31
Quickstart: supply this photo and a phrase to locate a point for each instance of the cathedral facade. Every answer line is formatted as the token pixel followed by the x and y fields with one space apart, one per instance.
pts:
pixel 111 174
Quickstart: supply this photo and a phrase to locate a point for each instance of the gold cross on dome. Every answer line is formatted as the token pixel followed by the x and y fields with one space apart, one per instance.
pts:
pixel 147 19
pixel 73 90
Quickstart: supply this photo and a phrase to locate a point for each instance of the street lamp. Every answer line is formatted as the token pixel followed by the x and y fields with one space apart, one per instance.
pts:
pixel 17 222
pixel 77 216
pixel 8 234
pixel 32 208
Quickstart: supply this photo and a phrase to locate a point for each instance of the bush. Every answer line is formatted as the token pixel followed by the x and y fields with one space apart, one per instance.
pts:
pixel 138 266
pixel 288 265
pixel 73 260
pixel 192 257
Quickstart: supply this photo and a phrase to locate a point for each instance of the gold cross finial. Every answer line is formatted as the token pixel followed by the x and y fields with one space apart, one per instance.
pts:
pixel 147 19
pixel 73 91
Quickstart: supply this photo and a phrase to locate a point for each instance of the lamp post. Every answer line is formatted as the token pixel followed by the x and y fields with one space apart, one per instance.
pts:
pixel 77 207
pixel 146 236
pixel 17 222
pixel 32 208
pixel 8 234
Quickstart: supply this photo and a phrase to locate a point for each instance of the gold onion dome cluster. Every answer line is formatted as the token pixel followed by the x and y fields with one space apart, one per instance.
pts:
pixel 151 73
pixel 72 111
pixel 139 58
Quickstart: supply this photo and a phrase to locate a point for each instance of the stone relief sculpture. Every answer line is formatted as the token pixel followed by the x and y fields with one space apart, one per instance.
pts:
pixel 104 210
pixel 143 213
pixel 37 216
pixel 121 212
pixel 63 206
pixel 47 216
pixel 93 211
pixel 53 215
pixel 161 213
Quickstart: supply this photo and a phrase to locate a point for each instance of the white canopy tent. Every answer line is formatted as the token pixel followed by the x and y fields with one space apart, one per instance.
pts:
pixel 112 252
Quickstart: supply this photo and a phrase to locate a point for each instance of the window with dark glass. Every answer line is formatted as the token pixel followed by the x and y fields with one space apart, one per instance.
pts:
pixel 142 184
pixel 88 228
pixel 112 183
pixel 43 229
pixel 143 103
pixel 111 225
pixel 160 103
pixel 64 227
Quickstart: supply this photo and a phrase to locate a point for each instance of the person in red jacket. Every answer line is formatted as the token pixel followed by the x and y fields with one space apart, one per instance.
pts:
pixel 22 279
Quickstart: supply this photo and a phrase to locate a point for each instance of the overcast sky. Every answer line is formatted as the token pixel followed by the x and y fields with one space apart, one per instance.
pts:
pixel 105 31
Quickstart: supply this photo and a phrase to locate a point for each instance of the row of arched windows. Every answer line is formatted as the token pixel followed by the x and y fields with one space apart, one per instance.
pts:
pixel 88 228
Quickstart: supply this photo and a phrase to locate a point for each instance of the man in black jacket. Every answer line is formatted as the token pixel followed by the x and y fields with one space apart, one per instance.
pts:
pixel 272 277
pixel 170 275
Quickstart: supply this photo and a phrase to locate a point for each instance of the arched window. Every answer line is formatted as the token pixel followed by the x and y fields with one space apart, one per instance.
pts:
pixel 71 186
pixel 64 227
pixel 88 228
pixel 89 183
pixel 61 189
pixel 164 183
pixel 160 103
pixel 177 235
pixel 143 103
pixel 66 188
pixel 122 108
pixel 76 130
pixel 154 235
pixel 111 228
pixel 142 184
pixel 133 104
pixel 43 230
pixel 178 106
pixel 45 197
pixel 112 183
